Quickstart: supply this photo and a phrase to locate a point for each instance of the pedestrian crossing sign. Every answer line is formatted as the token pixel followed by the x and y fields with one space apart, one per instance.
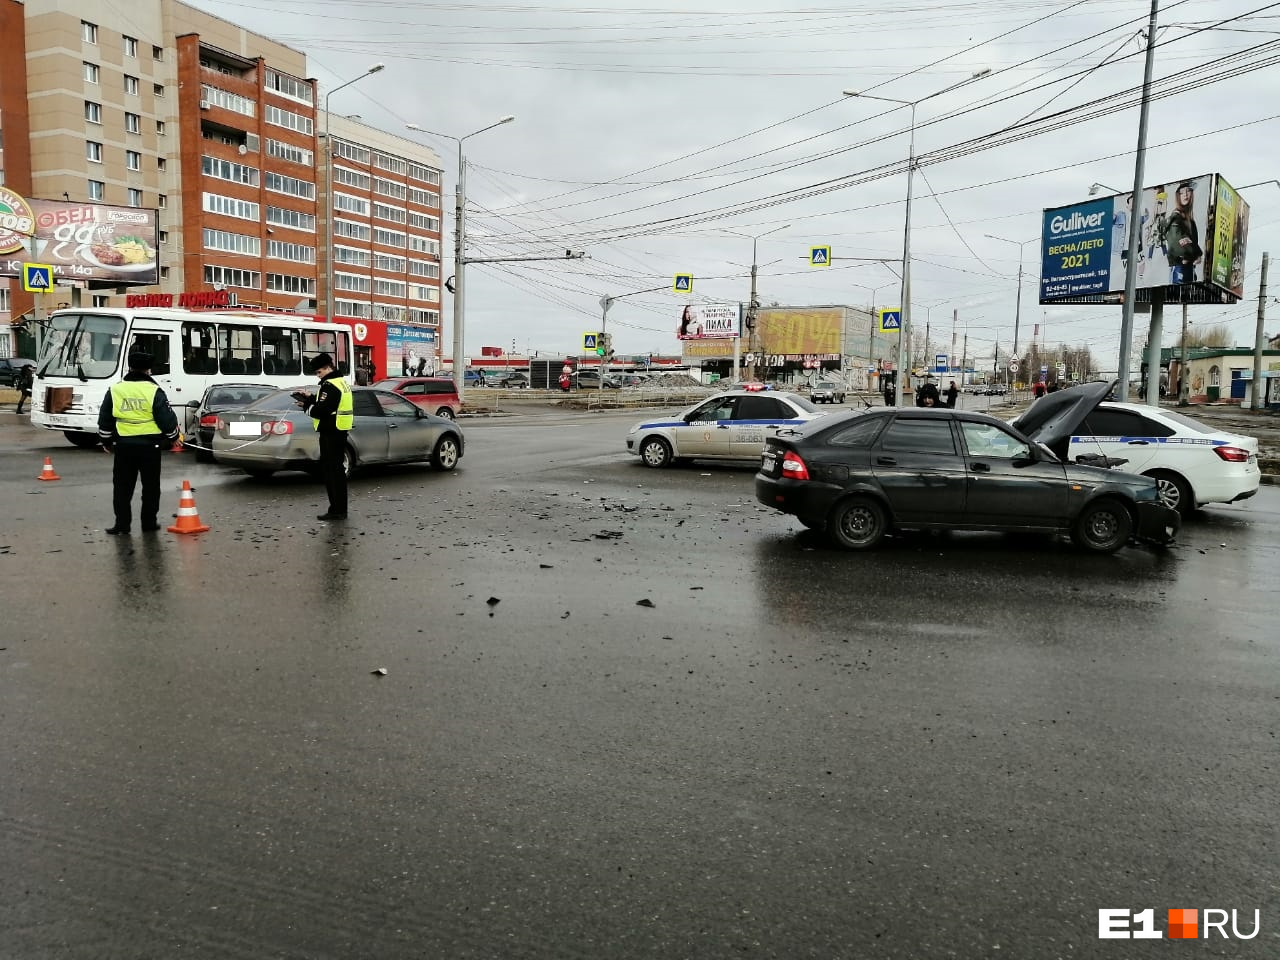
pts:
pixel 819 256
pixel 589 342
pixel 890 321
pixel 37 278
pixel 683 283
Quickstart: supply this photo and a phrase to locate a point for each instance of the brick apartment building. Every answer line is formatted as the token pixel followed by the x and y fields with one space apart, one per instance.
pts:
pixel 160 105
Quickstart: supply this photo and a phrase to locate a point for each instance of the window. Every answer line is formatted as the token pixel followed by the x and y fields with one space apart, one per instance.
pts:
pixel 231 207
pixel 239 349
pixel 419 172
pixel 162 201
pixel 1103 422
pixel 161 164
pixel 135 197
pixel 424 222
pixel 389 288
pixel 290 87
pixel 88 31
pixel 352 282
pixel 352 231
pixel 130 85
pixel 291 185
pixel 389 263
pixel 226 170
pixel 755 407
pixel 228 101
pixel 388 238
pixel 418 291
pixel 132 123
pixel 388 162
pixel 157 54
pixel 398 407
pixel 352 308
pixel 287 151
pixel 389 188
pixel 861 433
pixel 430 317
pixel 157 91
pixel 919 436
pixel 96 189
pixel 159 128
pixel 345 201
pixel 130 46
pixel 93 111
pixel 232 242
pixel 720 409
pixel 164 236
pixel 286 283
pixel 133 159
pixel 233 277
pixel 155 345
pixel 350 151
pixel 350 178
pixel 198 341
pixel 421 268
pixel 91 72
pixel 287 119
pixel 424 197
pixel 336 344
pixel 297 252
pixel 93 151
pixel 424 245
pixel 988 440
pixel 394 214
pixel 291 218
pixel 351 255
pixel 101 300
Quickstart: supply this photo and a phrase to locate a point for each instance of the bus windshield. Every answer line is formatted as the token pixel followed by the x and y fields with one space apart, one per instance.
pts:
pixel 83 346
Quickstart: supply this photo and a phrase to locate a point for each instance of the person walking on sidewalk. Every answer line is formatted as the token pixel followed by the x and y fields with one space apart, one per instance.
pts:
pixel 26 376
pixel 135 418
pixel 333 415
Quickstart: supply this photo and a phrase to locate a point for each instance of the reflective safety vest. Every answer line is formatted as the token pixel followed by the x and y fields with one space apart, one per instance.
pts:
pixel 346 418
pixel 131 405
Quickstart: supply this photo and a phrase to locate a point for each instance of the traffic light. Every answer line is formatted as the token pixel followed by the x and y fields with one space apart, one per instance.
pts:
pixel 601 340
pixel 606 345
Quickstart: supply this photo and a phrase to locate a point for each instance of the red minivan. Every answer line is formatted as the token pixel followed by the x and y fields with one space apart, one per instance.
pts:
pixel 434 394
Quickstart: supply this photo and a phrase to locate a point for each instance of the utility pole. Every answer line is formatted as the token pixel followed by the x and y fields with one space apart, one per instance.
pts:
pixel 964 356
pixel 1260 339
pixel 1184 381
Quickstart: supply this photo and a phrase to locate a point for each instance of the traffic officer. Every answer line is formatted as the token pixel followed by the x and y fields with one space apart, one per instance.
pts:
pixel 134 421
pixel 332 415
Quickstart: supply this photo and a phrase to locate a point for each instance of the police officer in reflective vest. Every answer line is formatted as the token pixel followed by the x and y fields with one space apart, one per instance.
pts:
pixel 137 424
pixel 332 415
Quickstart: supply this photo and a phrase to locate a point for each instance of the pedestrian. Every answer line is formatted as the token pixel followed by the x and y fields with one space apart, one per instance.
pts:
pixel 134 419
pixel 952 392
pixel 888 393
pixel 928 395
pixel 332 415
pixel 26 376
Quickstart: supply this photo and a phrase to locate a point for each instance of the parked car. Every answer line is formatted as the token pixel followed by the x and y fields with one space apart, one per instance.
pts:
pixel 590 380
pixel 436 395
pixel 859 476
pixel 728 426
pixel 272 434
pixel 516 379
pixel 474 378
pixel 219 398
pixel 827 392
pixel 9 367
pixel 1194 463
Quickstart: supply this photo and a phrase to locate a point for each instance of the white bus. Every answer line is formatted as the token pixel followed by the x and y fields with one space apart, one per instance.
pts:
pixel 85 351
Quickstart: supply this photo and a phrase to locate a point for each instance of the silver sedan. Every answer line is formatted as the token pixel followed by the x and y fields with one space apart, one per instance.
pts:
pixel 273 434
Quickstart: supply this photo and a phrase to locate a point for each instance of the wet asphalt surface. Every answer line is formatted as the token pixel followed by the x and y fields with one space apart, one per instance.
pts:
pixel 626 713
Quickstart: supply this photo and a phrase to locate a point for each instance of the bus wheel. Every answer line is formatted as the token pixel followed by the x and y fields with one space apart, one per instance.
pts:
pixel 84 441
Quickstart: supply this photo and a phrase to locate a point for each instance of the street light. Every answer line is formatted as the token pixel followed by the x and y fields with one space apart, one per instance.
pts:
pixel 1017 313
pixel 754 305
pixel 1095 188
pixel 328 146
pixel 904 328
pixel 459 242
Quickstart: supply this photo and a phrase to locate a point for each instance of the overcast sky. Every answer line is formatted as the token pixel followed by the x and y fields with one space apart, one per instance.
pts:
pixel 646 135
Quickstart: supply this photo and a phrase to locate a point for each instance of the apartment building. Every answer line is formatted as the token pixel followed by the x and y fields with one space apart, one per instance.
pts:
pixel 156 104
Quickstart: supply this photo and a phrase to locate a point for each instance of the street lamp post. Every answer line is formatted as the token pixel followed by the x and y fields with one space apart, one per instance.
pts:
pixel 328 146
pixel 1017 310
pixel 753 306
pixel 459 255
pixel 904 329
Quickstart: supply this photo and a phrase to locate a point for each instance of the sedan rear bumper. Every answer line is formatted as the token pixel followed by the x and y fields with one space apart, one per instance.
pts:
pixel 1157 523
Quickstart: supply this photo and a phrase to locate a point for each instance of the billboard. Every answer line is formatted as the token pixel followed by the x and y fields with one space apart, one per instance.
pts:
pixel 708 321
pixel 81 241
pixel 800 330
pixel 1191 231
pixel 411 351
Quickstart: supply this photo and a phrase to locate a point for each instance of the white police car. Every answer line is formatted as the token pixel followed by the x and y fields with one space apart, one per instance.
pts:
pixel 728 426
pixel 1193 462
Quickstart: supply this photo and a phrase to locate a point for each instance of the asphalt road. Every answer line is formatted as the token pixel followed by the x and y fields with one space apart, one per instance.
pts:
pixel 626 713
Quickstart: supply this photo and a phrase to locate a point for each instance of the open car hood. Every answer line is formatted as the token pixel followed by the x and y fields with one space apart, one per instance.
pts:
pixel 1056 417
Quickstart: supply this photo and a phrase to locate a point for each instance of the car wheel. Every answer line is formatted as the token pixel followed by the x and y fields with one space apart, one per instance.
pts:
pixel 1175 492
pixel 445 412
pixel 258 473
pixel 348 461
pixel 1103 526
pixel 655 452
pixel 858 523
pixel 445 455
pixel 84 441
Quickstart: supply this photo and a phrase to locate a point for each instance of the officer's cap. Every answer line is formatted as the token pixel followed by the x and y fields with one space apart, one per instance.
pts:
pixel 321 361
pixel 139 360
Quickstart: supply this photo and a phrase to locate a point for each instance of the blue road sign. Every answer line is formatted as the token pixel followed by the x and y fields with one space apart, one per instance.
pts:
pixel 589 342
pixel 683 283
pixel 37 277
pixel 940 364
pixel 819 256
pixel 890 321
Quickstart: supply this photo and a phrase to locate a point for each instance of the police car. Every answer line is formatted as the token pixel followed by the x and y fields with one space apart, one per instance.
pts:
pixel 728 426
pixel 1193 462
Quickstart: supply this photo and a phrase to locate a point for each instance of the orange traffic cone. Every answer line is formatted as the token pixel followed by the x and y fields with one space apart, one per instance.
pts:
pixel 47 473
pixel 188 521
pixel 178 445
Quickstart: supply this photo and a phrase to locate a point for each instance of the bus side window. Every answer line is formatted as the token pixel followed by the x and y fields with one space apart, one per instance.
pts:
pixel 197 348
pixel 239 350
pixel 283 357
pixel 157 346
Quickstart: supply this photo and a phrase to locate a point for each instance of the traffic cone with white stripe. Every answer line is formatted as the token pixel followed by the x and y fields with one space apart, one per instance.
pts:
pixel 188 521
pixel 47 473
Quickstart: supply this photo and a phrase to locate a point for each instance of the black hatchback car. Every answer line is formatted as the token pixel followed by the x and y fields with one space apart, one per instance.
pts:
pixel 858 476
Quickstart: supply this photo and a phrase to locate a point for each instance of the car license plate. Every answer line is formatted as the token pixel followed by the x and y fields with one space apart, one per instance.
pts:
pixel 243 429
pixel 768 462
pixel 57 419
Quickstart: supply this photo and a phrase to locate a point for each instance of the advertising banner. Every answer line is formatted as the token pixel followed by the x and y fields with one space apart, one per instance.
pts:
pixel 708 321
pixel 80 241
pixel 411 351
pixel 1191 231
pixel 800 330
